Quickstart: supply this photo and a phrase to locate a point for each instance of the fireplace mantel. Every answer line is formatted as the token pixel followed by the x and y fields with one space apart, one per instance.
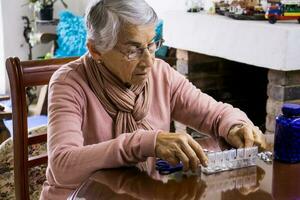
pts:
pixel 258 43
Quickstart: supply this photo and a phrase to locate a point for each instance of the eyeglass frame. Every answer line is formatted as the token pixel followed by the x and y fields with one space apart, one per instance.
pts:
pixel 141 50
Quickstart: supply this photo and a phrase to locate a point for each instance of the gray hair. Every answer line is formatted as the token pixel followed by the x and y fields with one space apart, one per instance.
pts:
pixel 105 17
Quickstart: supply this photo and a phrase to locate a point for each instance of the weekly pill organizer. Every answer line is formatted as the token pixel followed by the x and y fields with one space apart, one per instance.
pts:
pixel 220 161
pixel 230 160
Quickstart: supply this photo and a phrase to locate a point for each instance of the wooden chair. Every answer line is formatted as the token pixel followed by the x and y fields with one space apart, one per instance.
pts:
pixel 21 75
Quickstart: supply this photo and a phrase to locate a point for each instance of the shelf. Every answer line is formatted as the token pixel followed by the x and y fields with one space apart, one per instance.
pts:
pixel 47 22
pixel 259 43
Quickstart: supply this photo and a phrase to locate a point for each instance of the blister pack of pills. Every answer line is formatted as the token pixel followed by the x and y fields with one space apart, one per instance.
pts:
pixel 230 159
pixel 266 156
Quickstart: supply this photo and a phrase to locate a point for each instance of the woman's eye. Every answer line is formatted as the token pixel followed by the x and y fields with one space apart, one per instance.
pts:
pixel 151 45
pixel 132 50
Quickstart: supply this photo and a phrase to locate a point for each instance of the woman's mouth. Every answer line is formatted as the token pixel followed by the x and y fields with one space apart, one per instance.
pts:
pixel 141 74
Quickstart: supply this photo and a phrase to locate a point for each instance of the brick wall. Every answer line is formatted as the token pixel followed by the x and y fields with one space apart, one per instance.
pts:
pixel 241 85
pixel 282 87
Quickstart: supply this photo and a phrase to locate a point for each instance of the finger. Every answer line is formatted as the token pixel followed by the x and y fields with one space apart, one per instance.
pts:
pixel 257 138
pixel 257 135
pixel 248 136
pixel 235 141
pixel 173 161
pixel 183 158
pixel 190 153
pixel 260 139
pixel 199 152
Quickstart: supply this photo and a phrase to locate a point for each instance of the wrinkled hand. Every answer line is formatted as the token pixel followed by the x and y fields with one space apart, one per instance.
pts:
pixel 176 147
pixel 246 135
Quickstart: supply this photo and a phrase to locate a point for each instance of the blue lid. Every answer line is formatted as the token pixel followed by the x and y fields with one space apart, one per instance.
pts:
pixel 291 109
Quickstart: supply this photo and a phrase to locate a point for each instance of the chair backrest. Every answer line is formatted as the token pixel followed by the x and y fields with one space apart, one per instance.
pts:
pixel 21 75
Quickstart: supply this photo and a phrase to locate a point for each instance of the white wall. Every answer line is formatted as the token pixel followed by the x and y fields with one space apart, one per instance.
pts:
pixel 76 6
pixel 12 34
pixel 12 42
pixel 2 69
pixel 160 6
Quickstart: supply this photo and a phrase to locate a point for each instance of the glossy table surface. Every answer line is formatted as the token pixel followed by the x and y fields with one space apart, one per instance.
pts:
pixel 261 182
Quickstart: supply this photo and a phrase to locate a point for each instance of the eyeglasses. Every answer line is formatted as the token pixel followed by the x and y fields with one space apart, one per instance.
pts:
pixel 135 53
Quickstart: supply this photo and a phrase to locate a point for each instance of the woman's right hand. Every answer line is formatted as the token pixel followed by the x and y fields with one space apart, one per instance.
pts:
pixel 176 147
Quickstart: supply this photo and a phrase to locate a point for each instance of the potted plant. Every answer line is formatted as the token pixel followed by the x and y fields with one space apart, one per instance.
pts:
pixel 45 8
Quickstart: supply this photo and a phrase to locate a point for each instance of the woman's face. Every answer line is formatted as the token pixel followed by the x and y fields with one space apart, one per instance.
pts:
pixel 124 61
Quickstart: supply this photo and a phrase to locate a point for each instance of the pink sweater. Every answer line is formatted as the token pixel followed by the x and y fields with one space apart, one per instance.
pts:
pixel 80 131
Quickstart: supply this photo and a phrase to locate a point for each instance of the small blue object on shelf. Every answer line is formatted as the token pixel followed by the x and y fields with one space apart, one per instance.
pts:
pixel 287 134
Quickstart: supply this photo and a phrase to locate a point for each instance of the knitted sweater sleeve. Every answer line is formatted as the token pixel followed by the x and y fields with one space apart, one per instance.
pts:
pixel 70 160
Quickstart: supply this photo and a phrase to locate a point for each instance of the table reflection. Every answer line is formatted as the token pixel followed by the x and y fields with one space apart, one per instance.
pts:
pixel 262 182
pixel 138 183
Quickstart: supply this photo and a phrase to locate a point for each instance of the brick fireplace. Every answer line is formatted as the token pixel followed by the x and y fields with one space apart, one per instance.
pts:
pixel 258 91
pixel 272 52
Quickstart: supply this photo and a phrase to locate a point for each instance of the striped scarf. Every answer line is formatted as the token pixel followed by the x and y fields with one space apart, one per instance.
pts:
pixel 127 107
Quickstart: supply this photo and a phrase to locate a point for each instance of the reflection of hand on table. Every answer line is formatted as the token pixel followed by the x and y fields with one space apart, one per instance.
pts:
pixel 139 185
pixel 253 188
pixel 244 180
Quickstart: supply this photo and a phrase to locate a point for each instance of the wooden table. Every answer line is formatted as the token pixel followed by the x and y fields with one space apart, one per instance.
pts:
pixel 264 181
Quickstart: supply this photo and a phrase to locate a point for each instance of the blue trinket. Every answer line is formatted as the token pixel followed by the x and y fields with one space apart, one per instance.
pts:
pixel 287 134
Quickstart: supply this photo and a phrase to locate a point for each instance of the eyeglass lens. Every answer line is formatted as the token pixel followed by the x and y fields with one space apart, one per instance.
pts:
pixel 152 48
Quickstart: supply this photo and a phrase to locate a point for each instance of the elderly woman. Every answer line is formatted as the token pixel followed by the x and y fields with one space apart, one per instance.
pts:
pixel 113 106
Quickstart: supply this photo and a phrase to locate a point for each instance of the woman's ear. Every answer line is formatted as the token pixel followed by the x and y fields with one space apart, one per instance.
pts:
pixel 94 53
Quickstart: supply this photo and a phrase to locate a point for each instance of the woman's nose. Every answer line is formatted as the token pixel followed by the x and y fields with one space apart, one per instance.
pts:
pixel 148 58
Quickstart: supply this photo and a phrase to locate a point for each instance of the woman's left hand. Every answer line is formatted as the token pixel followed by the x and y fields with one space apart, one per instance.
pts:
pixel 246 135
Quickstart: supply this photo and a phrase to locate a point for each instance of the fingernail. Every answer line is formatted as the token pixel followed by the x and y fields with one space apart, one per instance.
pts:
pixel 205 163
